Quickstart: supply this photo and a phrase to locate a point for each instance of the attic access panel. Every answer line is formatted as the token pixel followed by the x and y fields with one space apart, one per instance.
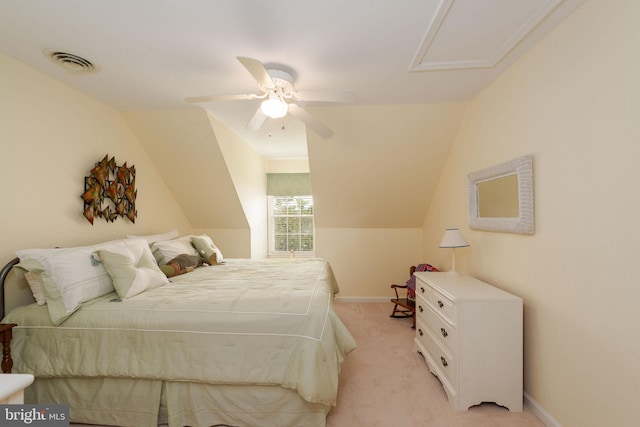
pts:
pixel 477 34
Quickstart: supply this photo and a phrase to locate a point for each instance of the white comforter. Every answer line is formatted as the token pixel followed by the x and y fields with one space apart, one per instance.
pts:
pixel 246 322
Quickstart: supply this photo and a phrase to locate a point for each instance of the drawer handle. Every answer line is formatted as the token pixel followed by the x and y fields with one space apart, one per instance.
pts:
pixel 420 308
pixel 444 361
pixel 440 304
pixel 443 331
pixel 422 289
pixel 420 332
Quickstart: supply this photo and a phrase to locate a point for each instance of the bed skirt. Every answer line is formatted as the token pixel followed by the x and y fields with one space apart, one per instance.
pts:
pixel 148 403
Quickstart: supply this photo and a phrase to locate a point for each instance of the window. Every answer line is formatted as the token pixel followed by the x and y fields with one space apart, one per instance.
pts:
pixel 291 227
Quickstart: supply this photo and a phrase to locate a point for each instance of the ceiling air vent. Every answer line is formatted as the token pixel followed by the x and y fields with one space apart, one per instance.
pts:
pixel 71 62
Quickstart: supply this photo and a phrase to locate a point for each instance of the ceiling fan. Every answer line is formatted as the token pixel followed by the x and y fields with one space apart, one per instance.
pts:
pixel 279 97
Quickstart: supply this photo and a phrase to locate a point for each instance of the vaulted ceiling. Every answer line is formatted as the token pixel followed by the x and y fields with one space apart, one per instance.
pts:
pixel 411 66
pixel 151 54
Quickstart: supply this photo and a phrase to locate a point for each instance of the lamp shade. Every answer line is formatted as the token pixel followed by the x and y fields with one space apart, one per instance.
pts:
pixel 274 108
pixel 453 239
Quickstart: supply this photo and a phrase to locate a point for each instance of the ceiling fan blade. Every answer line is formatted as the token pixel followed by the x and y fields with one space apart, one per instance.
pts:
pixel 316 125
pixel 213 98
pixel 257 120
pixel 257 70
pixel 325 96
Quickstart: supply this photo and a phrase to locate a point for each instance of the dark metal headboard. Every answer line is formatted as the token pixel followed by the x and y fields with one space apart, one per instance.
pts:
pixel 3 276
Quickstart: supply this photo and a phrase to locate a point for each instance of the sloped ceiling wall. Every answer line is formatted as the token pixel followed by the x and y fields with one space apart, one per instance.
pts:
pixel 184 148
pixel 381 167
pixel 379 170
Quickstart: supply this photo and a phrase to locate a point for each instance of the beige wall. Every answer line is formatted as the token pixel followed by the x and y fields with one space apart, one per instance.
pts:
pixel 287 165
pixel 370 173
pixel 572 102
pixel 367 261
pixel 50 138
pixel 248 173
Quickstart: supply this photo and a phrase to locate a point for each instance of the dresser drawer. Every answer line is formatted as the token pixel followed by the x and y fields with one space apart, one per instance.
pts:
pixel 423 290
pixel 421 302
pixel 442 360
pixel 443 305
pixel 438 301
pixel 446 333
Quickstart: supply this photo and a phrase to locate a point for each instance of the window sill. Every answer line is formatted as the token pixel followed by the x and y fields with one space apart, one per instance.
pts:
pixel 288 255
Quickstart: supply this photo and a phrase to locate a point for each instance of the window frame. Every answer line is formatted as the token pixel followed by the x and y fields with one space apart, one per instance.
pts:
pixel 272 216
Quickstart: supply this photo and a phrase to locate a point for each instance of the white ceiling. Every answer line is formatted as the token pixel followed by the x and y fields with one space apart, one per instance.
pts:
pixel 152 54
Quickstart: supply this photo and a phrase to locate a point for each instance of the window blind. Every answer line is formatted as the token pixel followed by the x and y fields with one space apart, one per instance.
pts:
pixel 289 184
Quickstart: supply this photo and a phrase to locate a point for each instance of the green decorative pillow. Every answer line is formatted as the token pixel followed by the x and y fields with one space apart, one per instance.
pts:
pixel 207 249
pixel 132 268
pixel 181 264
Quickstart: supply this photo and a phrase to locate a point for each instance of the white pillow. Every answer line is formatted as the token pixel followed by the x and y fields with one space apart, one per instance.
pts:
pixel 166 250
pixel 156 237
pixel 206 247
pixel 131 268
pixel 70 277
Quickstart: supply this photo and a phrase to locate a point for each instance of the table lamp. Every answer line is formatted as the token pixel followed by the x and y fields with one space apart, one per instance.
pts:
pixel 453 239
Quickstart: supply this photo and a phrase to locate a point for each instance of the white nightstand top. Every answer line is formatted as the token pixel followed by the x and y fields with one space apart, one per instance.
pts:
pixel 10 384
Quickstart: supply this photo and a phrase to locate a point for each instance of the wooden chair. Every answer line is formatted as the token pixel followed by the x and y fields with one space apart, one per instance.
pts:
pixel 404 307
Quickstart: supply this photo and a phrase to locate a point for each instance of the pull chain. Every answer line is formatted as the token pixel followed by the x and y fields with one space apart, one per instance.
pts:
pixel 270 120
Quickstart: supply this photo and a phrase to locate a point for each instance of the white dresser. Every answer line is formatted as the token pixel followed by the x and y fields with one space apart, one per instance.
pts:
pixel 470 334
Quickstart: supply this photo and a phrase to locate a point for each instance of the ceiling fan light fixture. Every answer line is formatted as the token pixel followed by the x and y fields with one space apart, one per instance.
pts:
pixel 274 108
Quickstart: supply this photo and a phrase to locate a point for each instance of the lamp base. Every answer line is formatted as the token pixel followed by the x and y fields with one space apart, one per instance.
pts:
pixel 453 271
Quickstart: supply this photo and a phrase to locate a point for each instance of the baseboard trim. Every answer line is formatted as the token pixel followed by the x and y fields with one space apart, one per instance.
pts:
pixel 539 412
pixel 363 299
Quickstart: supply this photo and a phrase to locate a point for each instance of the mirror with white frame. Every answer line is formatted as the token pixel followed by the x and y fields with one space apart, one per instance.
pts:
pixel 501 197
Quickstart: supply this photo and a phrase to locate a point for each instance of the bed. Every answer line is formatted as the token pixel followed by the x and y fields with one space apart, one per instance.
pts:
pixel 244 342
